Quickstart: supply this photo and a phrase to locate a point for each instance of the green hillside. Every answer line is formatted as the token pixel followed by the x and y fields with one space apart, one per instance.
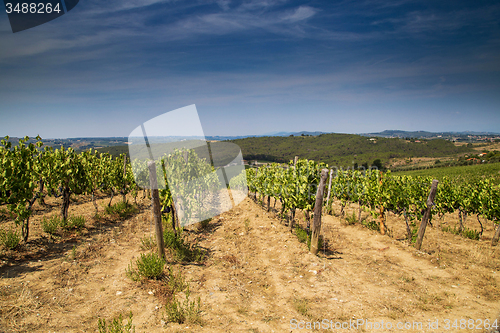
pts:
pixel 466 172
pixel 334 149
pixel 343 149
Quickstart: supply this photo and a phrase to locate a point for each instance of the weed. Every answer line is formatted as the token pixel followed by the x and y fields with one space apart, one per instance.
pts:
pixel 301 234
pixel 176 282
pixel 116 326
pixel 247 225
pixel 51 225
pixel 184 312
pixel 77 222
pixel 122 209
pixel 74 222
pixel 371 225
pixel 9 239
pixel 204 224
pixel 149 266
pixel 182 250
pixel 148 243
pixel 302 306
pixel 73 252
pixel 3 214
pixel 351 219
pixel 305 238
pixel 407 279
pixel 468 233
pixel 242 310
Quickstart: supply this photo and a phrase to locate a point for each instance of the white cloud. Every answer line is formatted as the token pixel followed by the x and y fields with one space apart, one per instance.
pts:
pixel 300 14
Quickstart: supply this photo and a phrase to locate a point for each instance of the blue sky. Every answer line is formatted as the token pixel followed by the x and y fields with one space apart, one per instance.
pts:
pixel 254 67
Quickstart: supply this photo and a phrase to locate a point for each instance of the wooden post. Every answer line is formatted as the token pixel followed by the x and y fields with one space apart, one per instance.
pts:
pixel 292 210
pixel 291 219
pixel 124 178
pixel 172 214
pixel 381 221
pixel 427 214
pixel 316 227
pixel 494 240
pixel 329 189
pixel 155 197
pixel 360 210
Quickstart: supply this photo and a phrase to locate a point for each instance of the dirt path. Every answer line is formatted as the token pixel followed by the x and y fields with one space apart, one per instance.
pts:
pixel 257 278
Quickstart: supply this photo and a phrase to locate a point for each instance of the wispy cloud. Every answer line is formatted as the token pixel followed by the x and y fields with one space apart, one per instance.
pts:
pixel 255 54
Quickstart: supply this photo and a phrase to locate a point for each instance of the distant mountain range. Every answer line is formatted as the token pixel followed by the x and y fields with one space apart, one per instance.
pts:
pixel 90 142
pixel 263 135
pixel 385 134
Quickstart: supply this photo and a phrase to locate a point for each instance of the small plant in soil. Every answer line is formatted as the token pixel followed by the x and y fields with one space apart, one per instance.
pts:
pixel 184 311
pixel 371 224
pixel 351 219
pixel 204 224
pixel 467 233
pixel 116 325
pixel 181 249
pixel 74 222
pixel 9 239
pixel 302 306
pixel 305 238
pixel 176 282
pixel 51 225
pixel 121 209
pixel 148 243
pixel 247 225
pixel 148 266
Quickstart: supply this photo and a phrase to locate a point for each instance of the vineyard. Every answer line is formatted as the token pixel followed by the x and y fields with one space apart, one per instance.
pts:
pixel 295 184
pixel 246 263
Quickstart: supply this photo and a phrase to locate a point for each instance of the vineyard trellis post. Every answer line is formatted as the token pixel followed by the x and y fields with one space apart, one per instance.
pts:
pixel 381 216
pixel 316 227
pixel 124 193
pixel 291 217
pixel 155 198
pixel 329 189
pixel 425 218
pixel 495 238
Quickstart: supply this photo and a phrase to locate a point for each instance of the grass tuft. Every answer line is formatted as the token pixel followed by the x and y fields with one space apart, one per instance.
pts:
pixel 371 224
pixel 51 225
pixel 148 243
pixel 9 239
pixel 184 312
pixel 122 209
pixel 302 306
pixel 182 251
pixel 467 233
pixel 305 238
pixel 116 326
pixel 149 266
pixel 351 219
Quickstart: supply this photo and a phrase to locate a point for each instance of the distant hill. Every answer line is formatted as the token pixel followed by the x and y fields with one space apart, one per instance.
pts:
pixel 425 134
pixel 303 133
pixel 343 149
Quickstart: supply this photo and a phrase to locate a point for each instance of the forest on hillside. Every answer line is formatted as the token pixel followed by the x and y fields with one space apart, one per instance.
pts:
pixel 343 149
